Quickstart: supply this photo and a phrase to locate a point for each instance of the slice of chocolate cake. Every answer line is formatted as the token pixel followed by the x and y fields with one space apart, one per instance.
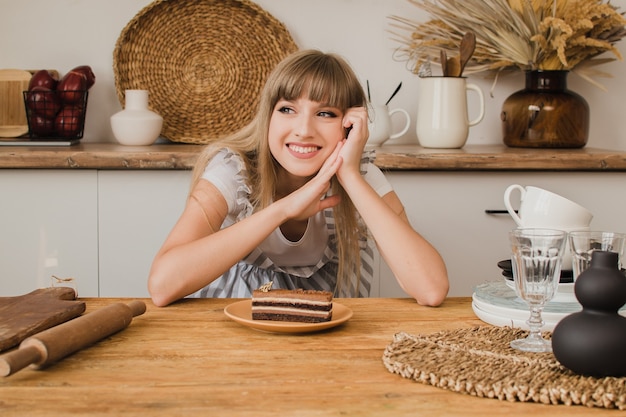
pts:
pixel 306 306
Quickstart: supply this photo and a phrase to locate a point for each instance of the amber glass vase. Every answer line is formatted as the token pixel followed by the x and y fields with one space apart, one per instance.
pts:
pixel 545 114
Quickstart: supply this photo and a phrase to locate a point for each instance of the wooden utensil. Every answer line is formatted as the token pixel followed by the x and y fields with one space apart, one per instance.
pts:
pixel 25 315
pixel 56 343
pixel 468 45
pixel 454 67
pixel 443 57
pixel 12 113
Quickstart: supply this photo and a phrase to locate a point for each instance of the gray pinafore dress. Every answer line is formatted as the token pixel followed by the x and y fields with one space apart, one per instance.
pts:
pixel 227 172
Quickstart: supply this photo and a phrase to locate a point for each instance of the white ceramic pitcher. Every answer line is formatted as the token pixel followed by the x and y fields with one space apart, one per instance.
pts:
pixel 442 117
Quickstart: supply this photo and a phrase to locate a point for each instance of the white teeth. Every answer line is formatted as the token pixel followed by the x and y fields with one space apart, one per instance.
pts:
pixel 303 149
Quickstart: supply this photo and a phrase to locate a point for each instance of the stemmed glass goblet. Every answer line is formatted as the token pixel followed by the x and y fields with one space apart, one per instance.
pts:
pixel 536 260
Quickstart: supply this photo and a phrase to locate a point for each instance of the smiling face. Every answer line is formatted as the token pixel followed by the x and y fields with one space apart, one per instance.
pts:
pixel 299 121
pixel 302 134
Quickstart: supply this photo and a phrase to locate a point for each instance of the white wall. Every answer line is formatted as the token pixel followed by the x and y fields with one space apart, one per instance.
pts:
pixel 61 34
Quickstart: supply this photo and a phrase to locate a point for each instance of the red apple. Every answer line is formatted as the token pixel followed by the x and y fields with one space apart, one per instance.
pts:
pixel 43 102
pixel 40 125
pixel 43 78
pixel 72 88
pixel 69 121
pixel 90 77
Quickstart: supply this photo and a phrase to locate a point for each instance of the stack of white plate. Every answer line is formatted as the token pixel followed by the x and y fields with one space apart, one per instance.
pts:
pixel 496 303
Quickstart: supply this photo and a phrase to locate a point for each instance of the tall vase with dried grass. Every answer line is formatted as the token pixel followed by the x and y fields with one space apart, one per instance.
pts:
pixel 547 39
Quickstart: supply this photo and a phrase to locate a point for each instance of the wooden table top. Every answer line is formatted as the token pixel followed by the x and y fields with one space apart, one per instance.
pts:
pixel 191 359
pixel 389 157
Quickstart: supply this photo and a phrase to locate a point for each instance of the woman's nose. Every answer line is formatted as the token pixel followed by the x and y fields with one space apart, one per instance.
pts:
pixel 304 126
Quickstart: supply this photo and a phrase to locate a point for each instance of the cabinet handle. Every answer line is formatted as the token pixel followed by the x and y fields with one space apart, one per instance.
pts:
pixel 488 211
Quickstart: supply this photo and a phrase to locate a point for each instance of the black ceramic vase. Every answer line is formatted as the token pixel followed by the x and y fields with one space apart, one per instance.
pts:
pixel 545 114
pixel 593 341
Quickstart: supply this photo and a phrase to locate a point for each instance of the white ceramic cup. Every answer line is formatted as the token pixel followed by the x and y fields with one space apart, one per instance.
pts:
pixel 541 208
pixel 442 115
pixel 380 126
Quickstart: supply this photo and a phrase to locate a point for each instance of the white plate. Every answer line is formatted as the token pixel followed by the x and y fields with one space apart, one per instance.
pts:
pixel 564 294
pixel 522 313
pixel 499 294
pixel 496 303
pixel 501 321
pixel 241 312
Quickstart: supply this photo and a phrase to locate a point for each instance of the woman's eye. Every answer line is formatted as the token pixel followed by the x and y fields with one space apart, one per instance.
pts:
pixel 327 114
pixel 285 109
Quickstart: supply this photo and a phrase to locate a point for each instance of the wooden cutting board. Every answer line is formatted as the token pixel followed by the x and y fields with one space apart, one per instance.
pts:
pixel 12 112
pixel 25 315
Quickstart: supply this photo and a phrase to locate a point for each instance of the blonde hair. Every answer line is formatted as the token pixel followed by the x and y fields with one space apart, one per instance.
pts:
pixel 320 77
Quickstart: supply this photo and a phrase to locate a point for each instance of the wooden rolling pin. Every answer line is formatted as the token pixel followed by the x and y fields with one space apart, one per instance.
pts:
pixel 54 344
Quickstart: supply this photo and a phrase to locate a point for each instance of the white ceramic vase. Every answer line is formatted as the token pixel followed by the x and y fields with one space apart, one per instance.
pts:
pixel 136 124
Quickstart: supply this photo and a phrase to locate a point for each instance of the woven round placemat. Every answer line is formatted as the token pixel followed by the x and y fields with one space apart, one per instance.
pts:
pixel 204 63
pixel 478 361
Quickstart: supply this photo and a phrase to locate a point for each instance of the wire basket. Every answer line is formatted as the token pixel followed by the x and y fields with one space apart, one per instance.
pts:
pixel 53 114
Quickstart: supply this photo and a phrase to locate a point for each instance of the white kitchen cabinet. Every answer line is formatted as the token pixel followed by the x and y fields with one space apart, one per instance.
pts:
pixel 448 208
pixel 48 226
pixel 103 227
pixel 136 211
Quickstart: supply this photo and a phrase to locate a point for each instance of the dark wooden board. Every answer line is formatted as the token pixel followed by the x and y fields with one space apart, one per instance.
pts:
pixel 25 315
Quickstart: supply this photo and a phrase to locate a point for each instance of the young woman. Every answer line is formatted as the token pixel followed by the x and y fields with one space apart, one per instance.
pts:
pixel 294 199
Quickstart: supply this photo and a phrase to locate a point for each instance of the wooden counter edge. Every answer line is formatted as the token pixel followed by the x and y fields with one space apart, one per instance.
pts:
pixel 108 156
pixel 100 156
pixel 500 158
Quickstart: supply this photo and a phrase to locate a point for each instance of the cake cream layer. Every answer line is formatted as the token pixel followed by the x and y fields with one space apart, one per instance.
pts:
pixel 290 311
pixel 292 302
pixel 298 294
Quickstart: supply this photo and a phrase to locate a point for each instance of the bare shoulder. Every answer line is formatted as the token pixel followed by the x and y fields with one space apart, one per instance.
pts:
pixel 206 199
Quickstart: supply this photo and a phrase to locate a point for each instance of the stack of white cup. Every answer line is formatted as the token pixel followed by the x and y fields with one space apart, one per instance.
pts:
pixel 543 209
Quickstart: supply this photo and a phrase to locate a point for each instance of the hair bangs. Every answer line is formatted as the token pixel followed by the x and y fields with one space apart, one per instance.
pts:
pixel 321 78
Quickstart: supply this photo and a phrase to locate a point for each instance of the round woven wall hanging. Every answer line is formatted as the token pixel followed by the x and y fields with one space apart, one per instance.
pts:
pixel 204 63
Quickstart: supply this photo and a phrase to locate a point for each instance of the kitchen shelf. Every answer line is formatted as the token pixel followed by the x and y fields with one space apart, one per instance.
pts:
pixel 110 156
